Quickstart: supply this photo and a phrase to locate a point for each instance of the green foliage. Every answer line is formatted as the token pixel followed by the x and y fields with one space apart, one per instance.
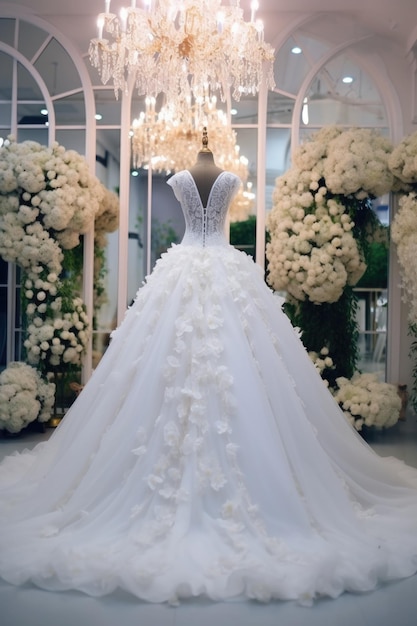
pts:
pixel 162 236
pixel 376 274
pixel 412 331
pixel 100 273
pixel 71 276
pixel 243 235
pixel 365 219
pixel 330 325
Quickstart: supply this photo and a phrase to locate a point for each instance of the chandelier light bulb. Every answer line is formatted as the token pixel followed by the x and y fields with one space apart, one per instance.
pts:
pixel 100 26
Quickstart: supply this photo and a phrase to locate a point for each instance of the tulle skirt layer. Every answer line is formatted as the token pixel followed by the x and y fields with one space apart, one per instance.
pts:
pixel 206 456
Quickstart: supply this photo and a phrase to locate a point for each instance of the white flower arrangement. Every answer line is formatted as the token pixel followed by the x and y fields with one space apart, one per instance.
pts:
pixel 403 160
pixel 322 362
pixel 403 163
pixel 368 402
pixel 316 248
pixel 404 234
pixel 363 398
pixel 28 245
pixel 357 164
pixel 51 185
pixel 48 198
pixel 107 218
pixel 24 397
pixel 313 253
pixel 60 340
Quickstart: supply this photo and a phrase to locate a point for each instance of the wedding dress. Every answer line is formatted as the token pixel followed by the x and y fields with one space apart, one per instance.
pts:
pixel 206 456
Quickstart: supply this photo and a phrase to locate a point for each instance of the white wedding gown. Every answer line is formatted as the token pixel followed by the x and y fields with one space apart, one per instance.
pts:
pixel 205 455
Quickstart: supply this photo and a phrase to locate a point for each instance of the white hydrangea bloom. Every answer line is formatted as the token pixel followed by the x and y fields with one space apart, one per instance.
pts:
pixel 367 401
pixel 62 339
pixel 313 253
pixel 55 188
pixel 404 234
pixel 403 159
pixel 357 164
pixel 24 397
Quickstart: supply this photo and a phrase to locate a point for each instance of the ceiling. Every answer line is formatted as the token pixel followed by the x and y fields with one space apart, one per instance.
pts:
pixel 393 19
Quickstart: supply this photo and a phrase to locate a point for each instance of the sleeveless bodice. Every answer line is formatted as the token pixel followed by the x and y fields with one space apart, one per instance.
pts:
pixel 204 226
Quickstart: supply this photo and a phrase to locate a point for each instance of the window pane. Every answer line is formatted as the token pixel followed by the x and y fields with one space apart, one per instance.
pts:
pixel 6 64
pixel 246 110
pixel 290 69
pixel 280 108
pixel 105 308
pixel 3 272
pixel 331 100
pixel 70 110
pixel 72 139
pixel 278 152
pixel 30 114
pixel 31 39
pixel 57 69
pixel 33 134
pixel 7 31
pixel 27 88
pixel 107 107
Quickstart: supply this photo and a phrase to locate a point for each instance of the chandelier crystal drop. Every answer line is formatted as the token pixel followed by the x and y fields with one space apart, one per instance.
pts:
pixel 179 47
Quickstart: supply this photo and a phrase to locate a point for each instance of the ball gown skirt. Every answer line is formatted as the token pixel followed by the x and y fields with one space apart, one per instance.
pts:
pixel 205 456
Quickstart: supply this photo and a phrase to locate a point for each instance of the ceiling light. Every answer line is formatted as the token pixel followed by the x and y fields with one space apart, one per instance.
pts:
pixel 98 116
pixel 198 47
pixel 296 50
pixel 347 80
pixel 44 111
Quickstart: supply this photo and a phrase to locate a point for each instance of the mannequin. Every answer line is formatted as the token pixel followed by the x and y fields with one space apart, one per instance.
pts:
pixel 205 171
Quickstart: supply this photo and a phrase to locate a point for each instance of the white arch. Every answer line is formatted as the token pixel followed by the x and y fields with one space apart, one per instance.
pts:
pixel 394 113
pixel 395 122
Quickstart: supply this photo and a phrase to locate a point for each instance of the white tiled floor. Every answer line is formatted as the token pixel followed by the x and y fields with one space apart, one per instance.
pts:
pixel 391 605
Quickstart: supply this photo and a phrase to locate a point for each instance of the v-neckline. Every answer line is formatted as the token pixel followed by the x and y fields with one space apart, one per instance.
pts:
pixel 211 190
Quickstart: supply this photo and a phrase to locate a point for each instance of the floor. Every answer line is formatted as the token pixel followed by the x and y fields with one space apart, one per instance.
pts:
pixel 394 604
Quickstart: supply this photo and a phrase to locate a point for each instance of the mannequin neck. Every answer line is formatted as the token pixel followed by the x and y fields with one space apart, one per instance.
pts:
pixel 204 172
pixel 205 157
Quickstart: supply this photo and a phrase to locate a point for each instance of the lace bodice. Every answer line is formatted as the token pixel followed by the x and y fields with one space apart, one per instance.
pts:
pixel 204 225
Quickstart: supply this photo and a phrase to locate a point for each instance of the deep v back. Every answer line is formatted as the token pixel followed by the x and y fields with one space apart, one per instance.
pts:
pixel 204 224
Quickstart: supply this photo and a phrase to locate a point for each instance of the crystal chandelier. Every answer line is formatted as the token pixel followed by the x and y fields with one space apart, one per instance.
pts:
pixel 169 140
pixel 180 47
